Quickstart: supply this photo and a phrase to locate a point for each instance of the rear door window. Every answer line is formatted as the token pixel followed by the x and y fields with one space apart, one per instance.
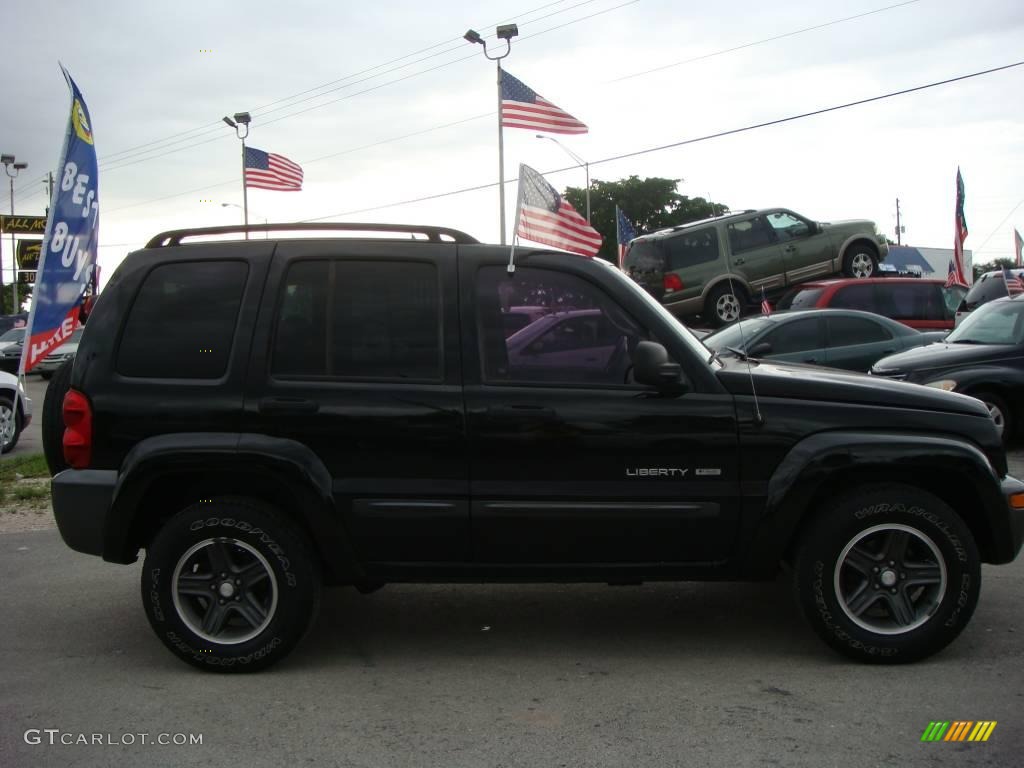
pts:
pixel 848 331
pixel 748 234
pixel 856 297
pixel 798 336
pixel 182 323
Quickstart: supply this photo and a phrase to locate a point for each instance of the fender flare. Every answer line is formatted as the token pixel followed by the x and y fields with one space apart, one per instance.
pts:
pixel 288 464
pixel 818 459
pixel 719 279
pixel 857 238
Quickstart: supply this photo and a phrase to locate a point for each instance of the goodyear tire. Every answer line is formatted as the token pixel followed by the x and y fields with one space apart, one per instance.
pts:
pixel 230 585
pixel 53 418
pixel 888 575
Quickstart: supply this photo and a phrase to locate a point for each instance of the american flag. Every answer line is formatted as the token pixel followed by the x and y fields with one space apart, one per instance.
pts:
pixel 766 308
pixel 544 216
pixel 521 107
pixel 1014 285
pixel 956 275
pixel 1018 246
pixel 265 170
pixel 624 232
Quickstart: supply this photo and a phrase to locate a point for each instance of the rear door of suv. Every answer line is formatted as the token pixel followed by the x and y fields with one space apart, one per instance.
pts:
pixel 356 357
pixel 754 252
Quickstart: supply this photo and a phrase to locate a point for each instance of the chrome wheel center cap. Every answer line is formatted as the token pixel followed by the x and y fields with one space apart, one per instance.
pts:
pixel 888 578
pixel 227 589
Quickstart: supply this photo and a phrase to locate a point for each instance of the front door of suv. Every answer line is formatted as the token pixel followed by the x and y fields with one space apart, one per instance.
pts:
pixel 571 462
pixel 806 249
pixel 356 358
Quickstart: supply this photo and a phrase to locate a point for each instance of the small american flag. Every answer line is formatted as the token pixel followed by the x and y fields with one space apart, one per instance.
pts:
pixel 766 308
pixel 265 170
pixel 521 107
pixel 1014 285
pixel 624 232
pixel 544 216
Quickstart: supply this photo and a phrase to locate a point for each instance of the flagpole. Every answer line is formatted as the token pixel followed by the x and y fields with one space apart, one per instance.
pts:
pixel 245 190
pixel 501 161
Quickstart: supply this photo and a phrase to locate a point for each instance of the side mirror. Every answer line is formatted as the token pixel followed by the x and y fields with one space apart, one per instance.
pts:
pixel 651 366
pixel 760 349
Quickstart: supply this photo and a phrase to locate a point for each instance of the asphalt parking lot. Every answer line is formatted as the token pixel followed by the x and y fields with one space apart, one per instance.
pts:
pixel 495 675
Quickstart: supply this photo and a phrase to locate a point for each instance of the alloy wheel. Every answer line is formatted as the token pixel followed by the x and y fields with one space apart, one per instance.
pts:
pixel 861 265
pixel 727 308
pixel 8 424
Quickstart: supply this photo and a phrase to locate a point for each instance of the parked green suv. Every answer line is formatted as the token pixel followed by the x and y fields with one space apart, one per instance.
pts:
pixel 715 267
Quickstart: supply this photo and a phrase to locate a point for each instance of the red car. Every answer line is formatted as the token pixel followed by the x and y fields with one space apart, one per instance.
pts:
pixel 926 305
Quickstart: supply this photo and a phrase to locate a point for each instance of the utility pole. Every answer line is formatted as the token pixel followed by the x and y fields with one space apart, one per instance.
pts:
pixel 899 230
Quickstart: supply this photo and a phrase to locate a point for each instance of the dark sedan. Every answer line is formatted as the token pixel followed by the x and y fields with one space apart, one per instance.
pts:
pixel 983 357
pixel 838 338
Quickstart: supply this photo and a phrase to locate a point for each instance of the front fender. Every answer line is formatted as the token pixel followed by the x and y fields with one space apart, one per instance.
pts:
pixel 840 461
pixel 287 464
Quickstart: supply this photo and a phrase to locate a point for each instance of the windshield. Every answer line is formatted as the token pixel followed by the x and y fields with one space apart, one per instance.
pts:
pixel 995 323
pixel 736 334
pixel 683 332
pixel 15 334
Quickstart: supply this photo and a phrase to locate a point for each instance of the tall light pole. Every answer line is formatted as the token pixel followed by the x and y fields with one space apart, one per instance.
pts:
pixel 266 235
pixel 504 32
pixel 579 160
pixel 9 164
pixel 241 126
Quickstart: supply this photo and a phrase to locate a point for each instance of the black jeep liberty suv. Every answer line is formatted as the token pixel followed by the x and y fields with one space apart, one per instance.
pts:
pixel 267 416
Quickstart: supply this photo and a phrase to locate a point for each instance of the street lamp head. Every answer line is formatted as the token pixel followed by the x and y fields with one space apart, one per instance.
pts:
pixel 507 31
pixel 243 117
pixel 473 36
pixel 6 159
pixel 229 121
pixel 20 166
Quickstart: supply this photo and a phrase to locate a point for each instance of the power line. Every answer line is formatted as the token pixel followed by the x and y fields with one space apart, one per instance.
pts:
pixel 762 41
pixel 684 142
pixel 1005 218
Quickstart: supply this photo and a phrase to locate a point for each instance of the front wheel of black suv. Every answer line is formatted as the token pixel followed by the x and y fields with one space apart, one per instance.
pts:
pixel 888 575
pixel 230 585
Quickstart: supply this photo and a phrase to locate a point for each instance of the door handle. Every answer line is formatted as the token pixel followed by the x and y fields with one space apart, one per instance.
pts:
pixel 790 249
pixel 288 405
pixel 738 261
pixel 524 412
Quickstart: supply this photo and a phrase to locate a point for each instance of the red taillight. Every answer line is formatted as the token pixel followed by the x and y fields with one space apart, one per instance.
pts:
pixel 673 283
pixel 77 430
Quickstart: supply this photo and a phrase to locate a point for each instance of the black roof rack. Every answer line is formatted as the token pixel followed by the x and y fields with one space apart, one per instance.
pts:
pixel 433 234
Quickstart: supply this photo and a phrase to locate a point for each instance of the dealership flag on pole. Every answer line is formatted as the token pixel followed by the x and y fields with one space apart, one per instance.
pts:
pixel 1013 282
pixel 67 260
pixel 1018 245
pixel 521 107
pixel 624 232
pixel 957 276
pixel 265 170
pixel 544 216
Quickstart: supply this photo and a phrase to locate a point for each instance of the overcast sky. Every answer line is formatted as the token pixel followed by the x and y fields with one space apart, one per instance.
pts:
pixel 398 107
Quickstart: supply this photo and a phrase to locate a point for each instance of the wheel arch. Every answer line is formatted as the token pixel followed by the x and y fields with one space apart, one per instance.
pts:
pixel 164 474
pixel 825 465
pixel 855 240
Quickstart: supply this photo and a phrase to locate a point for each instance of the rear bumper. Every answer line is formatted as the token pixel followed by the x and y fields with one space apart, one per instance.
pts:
pixel 81 505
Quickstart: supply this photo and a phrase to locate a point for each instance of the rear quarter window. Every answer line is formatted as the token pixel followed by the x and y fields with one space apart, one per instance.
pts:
pixel 182 322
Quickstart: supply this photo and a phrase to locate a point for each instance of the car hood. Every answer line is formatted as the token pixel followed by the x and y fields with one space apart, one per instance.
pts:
pixel 807 382
pixel 944 356
pixel 850 224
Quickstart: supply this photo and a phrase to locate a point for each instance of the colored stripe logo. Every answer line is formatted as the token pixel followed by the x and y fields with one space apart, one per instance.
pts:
pixel 958 730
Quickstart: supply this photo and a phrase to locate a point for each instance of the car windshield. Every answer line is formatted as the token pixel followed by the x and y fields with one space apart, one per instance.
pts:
pixel 736 334
pixel 15 334
pixel 1000 322
pixel 684 332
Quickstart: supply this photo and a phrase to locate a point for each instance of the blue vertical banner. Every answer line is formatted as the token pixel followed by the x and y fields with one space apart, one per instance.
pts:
pixel 67 260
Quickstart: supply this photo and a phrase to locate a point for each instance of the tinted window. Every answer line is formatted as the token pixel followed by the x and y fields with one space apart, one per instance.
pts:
pixel 909 301
pixel 798 336
pixel 749 234
pixel 691 248
pixel 856 297
pixel 847 331
pixel 585 338
pixel 360 319
pixel 182 323
pixel 802 298
pixel 988 287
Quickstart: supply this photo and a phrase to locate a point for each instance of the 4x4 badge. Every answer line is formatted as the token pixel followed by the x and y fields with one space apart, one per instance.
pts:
pixel 708 472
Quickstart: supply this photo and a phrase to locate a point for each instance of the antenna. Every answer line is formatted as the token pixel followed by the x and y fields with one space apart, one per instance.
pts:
pixel 758 418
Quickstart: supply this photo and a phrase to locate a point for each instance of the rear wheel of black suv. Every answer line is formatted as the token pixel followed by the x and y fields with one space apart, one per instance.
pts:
pixel 889 575
pixel 230 585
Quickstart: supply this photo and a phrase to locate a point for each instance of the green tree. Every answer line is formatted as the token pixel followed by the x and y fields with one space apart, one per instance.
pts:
pixel 650 204
pixel 988 266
